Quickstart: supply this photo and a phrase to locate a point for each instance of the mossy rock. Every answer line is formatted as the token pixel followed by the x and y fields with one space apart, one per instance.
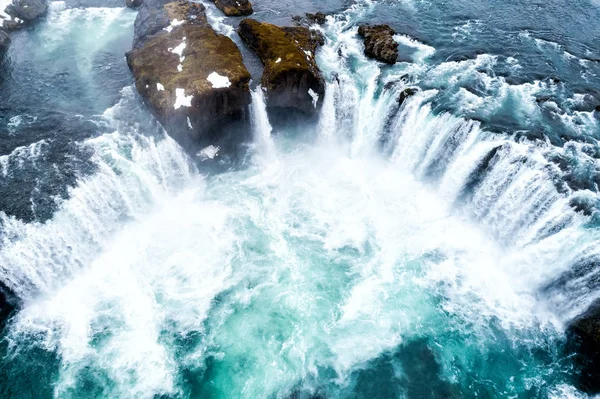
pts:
pixel 291 75
pixel 192 78
pixel 234 8
pixel 379 42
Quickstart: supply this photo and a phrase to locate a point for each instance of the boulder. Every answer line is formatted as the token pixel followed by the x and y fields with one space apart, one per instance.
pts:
pixel 192 78
pixel 317 18
pixel 4 42
pixel 27 10
pixel 134 3
pixel 234 8
pixel 379 42
pixel 406 93
pixel 291 76
pixel 584 334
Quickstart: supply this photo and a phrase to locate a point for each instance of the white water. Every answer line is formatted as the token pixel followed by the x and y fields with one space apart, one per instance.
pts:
pixel 323 253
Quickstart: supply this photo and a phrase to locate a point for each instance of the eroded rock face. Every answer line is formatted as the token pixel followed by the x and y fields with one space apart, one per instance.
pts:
pixel 234 8
pixel 379 43
pixel 584 333
pixel 291 75
pixel 192 78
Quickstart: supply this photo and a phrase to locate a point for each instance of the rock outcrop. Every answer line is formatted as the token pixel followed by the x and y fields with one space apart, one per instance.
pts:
pixel 317 18
pixel 4 42
pixel 22 11
pixel 134 3
pixel 584 333
pixel 379 43
pixel 234 8
pixel 192 78
pixel 291 75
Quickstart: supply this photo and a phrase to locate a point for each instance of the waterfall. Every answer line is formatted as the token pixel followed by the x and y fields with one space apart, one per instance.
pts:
pixel 260 124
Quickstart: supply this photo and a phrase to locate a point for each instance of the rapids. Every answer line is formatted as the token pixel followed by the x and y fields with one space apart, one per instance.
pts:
pixel 428 249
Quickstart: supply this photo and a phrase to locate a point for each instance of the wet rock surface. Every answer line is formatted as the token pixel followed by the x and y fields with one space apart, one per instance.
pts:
pixel 584 336
pixel 379 42
pixel 192 78
pixel 133 3
pixel 291 76
pixel 28 10
pixel 234 8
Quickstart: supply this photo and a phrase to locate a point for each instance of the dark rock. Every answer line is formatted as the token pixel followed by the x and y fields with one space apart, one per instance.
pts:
pixel 4 42
pixel 28 10
pixel 291 75
pixel 597 109
pixel 234 8
pixel 319 18
pixel 8 303
pixel 134 3
pixel 584 334
pixel 152 18
pixel 379 42
pixel 543 99
pixel 192 78
pixel 406 93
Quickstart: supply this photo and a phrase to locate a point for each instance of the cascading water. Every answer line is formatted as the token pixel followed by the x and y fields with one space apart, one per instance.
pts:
pixel 392 250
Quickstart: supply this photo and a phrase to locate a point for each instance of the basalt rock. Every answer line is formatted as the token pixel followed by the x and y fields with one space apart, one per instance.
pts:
pixel 291 75
pixel 234 8
pixel 584 335
pixel 379 42
pixel 192 78
pixel 133 3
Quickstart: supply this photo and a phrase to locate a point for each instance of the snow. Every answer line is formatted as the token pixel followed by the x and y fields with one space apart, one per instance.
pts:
pixel 218 81
pixel 179 51
pixel 189 123
pixel 278 60
pixel 174 23
pixel 181 100
pixel 315 97
pixel 160 87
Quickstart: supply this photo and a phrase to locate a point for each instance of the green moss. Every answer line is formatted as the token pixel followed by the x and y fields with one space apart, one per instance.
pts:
pixel 205 52
pixel 289 46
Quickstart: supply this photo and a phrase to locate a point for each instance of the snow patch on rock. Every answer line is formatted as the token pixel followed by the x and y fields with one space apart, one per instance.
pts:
pixel 181 100
pixel 218 81
pixel 174 23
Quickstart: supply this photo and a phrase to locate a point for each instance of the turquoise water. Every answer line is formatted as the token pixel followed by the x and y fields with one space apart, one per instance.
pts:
pixel 363 256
